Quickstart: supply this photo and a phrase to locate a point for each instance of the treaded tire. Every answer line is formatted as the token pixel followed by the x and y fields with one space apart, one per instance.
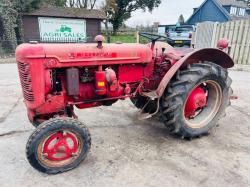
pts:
pixel 178 90
pixel 68 111
pixel 35 123
pixel 46 129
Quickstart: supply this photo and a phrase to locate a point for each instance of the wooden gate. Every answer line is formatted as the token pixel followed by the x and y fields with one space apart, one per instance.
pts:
pixel 237 32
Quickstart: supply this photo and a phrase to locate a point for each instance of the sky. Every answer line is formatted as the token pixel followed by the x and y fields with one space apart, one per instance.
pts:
pixel 167 13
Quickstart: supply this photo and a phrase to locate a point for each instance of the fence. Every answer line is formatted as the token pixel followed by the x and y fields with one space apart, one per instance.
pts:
pixel 237 32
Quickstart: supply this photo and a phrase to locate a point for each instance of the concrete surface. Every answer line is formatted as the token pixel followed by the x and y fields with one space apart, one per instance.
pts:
pixel 241 67
pixel 129 152
pixel 7 60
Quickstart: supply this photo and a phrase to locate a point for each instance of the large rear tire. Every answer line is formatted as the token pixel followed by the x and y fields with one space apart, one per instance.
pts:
pixel 58 145
pixel 196 99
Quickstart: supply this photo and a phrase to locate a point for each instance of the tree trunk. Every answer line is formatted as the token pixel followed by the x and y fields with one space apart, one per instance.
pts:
pixel 20 34
pixel 115 27
pixel 107 31
pixel 92 4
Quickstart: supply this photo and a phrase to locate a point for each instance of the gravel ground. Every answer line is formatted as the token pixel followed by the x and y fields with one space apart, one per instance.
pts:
pixel 9 60
pixel 129 152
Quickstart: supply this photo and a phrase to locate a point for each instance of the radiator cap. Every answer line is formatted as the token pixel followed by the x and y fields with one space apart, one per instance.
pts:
pixel 99 39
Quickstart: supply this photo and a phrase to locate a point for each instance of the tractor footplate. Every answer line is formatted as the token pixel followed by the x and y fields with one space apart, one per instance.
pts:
pixel 143 116
pixel 152 95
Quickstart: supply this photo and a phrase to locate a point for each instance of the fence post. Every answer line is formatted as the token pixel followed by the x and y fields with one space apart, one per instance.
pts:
pixel 214 39
pixel 137 37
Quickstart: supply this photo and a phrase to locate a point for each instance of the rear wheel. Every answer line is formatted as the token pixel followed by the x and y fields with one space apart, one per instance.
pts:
pixel 195 101
pixel 58 145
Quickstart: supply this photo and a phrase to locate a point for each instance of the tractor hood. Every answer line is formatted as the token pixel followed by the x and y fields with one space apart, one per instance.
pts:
pixel 89 53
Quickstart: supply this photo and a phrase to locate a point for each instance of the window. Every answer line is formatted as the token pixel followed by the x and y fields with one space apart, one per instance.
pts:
pixel 184 29
pixel 241 12
pixel 238 11
pixel 233 10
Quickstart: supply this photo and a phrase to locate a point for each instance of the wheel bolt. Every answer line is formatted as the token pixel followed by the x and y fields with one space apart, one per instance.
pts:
pixel 45 155
pixel 64 133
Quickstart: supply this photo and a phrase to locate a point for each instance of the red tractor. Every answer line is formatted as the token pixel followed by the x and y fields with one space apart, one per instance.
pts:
pixel 189 88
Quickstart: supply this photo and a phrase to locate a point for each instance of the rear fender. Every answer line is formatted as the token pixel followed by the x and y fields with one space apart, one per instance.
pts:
pixel 209 54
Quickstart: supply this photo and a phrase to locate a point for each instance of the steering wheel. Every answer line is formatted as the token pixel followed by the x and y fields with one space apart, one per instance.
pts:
pixel 155 37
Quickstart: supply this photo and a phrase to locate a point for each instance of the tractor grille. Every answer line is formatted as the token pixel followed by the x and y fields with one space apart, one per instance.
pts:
pixel 24 73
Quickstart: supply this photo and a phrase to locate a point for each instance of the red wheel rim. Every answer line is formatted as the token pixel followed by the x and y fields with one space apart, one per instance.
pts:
pixel 202 104
pixel 60 148
pixel 196 101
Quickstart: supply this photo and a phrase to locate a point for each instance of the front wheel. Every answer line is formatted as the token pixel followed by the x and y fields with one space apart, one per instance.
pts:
pixel 194 102
pixel 58 145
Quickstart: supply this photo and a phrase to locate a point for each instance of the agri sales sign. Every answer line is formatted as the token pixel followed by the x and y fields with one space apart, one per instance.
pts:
pixel 63 30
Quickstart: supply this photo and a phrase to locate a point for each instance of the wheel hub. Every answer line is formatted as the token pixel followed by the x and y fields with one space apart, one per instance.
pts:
pixel 60 146
pixel 196 101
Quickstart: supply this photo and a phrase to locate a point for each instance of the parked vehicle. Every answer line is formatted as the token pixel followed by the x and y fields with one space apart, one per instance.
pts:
pixel 181 35
pixel 164 29
pixel 190 89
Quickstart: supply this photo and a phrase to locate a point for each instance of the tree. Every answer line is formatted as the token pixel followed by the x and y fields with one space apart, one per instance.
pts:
pixel 57 3
pixel 121 10
pixel 88 4
pixel 181 19
pixel 108 6
pixel 8 22
pixel 11 11
pixel 10 18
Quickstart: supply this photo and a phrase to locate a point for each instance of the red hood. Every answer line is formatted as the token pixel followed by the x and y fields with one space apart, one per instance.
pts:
pixel 137 53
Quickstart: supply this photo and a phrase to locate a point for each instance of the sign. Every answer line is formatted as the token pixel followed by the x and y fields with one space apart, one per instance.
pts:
pixel 62 30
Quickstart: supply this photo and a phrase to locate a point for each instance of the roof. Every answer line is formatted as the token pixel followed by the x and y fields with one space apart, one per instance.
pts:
pixel 236 3
pixel 221 3
pixel 219 6
pixel 68 13
pixel 240 4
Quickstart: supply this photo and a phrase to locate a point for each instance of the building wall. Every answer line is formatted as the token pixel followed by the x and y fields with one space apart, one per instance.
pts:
pixel 248 11
pixel 93 28
pixel 209 12
pixel 228 8
pixel 31 28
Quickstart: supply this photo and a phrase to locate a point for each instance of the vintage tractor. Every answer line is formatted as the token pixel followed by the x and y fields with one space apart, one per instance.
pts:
pixel 189 89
